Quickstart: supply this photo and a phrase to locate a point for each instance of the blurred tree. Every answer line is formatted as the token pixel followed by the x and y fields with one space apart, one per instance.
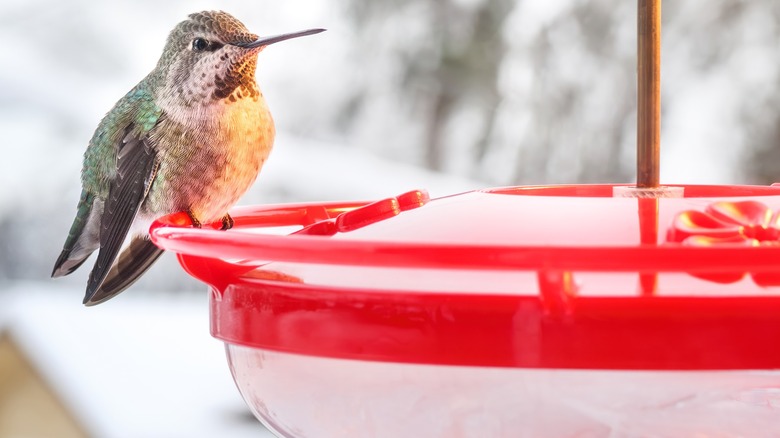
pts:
pixel 513 91
pixel 760 113
pixel 762 163
pixel 581 102
pixel 570 124
pixel 455 64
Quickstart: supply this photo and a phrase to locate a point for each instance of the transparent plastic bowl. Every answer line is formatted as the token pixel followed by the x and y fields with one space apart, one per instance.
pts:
pixel 308 396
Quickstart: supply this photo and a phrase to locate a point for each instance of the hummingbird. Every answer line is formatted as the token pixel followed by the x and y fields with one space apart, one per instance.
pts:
pixel 192 136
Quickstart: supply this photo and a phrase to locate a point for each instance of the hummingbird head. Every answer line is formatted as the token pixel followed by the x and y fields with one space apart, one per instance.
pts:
pixel 211 57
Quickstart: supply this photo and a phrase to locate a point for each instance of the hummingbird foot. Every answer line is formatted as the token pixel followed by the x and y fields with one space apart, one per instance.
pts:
pixel 193 219
pixel 227 222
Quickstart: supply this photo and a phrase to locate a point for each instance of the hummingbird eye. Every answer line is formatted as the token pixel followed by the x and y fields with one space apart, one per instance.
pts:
pixel 200 44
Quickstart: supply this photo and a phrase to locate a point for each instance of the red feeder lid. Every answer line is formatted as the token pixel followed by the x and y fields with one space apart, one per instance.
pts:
pixel 540 277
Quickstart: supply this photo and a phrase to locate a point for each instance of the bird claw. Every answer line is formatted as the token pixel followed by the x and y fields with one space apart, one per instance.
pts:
pixel 227 222
pixel 193 219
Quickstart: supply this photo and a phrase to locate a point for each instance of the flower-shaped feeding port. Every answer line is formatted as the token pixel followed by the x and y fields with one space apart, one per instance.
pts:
pixel 724 224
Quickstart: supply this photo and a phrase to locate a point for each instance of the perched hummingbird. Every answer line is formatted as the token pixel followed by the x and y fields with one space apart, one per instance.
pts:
pixel 191 136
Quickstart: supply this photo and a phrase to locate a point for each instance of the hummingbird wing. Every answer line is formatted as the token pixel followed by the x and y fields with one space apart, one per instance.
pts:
pixel 136 163
pixel 120 164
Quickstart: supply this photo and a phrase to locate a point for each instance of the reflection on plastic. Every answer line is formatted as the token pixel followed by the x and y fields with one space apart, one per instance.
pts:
pixel 730 224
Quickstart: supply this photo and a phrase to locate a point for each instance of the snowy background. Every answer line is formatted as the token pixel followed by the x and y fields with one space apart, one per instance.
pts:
pixel 488 92
pixel 447 95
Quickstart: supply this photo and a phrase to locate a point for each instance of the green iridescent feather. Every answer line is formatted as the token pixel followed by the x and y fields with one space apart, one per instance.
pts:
pixel 136 111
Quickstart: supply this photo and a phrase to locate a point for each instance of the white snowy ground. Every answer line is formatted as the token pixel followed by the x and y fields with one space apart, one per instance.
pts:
pixel 142 367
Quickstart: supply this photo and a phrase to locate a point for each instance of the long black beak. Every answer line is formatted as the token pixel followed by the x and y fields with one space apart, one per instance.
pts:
pixel 266 41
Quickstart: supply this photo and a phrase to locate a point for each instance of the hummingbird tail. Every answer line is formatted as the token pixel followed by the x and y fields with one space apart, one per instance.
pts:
pixel 83 238
pixel 66 265
pixel 134 260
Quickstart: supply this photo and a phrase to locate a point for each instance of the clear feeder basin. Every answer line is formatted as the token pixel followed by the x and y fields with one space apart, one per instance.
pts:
pixel 557 311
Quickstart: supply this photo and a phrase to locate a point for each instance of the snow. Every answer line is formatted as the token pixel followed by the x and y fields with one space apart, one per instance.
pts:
pixel 133 367
pixel 352 107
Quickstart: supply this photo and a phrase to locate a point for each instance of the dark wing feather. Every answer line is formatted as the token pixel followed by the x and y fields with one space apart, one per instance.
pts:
pixel 139 256
pixel 136 164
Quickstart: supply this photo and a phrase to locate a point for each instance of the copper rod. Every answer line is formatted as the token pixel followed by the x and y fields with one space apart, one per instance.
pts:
pixel 649 94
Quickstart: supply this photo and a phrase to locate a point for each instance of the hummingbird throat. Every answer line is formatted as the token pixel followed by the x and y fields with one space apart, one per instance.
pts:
pixel 238 81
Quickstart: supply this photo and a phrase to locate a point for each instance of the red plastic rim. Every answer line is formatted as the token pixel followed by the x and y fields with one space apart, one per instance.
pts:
pixel 554 328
